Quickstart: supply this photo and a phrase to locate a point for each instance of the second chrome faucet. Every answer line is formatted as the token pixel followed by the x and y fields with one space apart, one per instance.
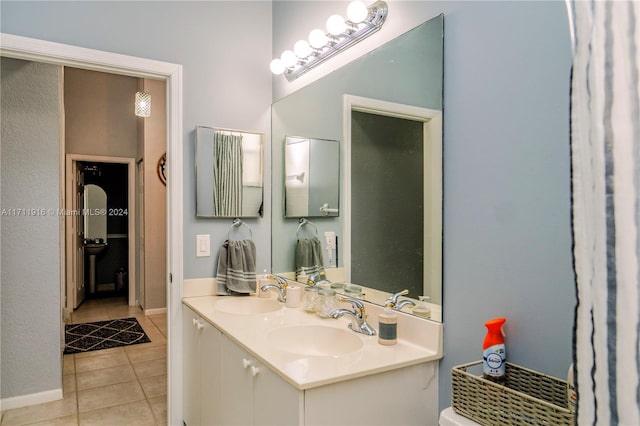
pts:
pixel 357 315
pixel 280 286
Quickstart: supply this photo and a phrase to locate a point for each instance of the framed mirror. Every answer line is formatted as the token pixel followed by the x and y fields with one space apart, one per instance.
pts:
pixel 405 73
pixel 229 172
pixel 312 177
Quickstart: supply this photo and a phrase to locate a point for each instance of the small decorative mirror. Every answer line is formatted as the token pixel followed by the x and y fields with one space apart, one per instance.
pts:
pixel 312 177
pixel 228 173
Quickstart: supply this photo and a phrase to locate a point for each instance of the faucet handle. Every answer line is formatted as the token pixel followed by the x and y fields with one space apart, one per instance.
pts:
pixel 281 281
pixel 355 303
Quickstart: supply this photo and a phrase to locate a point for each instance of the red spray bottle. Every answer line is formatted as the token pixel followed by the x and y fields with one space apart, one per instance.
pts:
pixel 494 354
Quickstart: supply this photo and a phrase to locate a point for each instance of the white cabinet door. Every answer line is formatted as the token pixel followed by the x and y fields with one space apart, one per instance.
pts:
pixel 191 367
pixel 253 394
pixel 275 401
pixel 211 375
pixel 202 370
pixel 237 390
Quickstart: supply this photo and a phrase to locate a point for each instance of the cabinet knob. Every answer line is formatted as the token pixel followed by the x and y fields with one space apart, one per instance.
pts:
pixel 200 326
pixel 195 322
pixel 254 370
pixel 246 363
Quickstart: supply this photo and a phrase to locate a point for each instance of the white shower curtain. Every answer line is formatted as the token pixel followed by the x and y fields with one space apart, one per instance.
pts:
pixel 605 152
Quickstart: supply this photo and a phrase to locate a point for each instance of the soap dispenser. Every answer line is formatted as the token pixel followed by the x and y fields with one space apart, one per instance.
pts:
pixel 387 327
pixel 421 309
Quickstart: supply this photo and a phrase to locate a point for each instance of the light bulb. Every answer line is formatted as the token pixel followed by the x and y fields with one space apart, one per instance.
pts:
pixel 302 49
pixel 357 11
pixel 336 25
pixel 276 66
pixel 318 39
pixel 288 58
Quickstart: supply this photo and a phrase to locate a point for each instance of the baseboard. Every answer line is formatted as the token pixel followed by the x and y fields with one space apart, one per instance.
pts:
pixel 155 311
pixel 31 399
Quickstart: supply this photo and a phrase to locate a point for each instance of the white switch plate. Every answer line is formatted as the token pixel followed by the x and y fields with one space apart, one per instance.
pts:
pixel 330 238
pixel 203 245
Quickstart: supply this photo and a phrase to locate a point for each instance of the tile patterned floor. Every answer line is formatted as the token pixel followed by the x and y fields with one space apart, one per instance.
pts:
pixel 114 387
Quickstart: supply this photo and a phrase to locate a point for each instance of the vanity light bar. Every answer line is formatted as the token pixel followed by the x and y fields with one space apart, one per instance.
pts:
pixel 361 22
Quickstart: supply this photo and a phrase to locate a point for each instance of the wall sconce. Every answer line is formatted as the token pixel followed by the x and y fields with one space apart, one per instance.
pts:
pixel 361 22
pixel 143 104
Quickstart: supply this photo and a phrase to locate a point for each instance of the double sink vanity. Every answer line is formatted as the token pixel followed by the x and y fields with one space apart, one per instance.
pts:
pixel 252 360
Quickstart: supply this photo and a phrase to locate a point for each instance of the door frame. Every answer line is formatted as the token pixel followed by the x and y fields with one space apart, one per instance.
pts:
pixel 71 159
pixel 30 49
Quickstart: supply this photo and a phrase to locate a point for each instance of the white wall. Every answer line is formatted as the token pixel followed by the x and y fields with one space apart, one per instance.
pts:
pixel 507 236
pixel 30 244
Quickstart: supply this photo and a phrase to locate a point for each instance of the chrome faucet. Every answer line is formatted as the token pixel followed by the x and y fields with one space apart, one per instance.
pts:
pixel 281 286
pixel 358 317
pixel 316 278
pixel 392 300
pixel 401 304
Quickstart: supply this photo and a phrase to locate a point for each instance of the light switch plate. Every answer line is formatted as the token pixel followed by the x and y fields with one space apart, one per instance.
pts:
pixel 203 245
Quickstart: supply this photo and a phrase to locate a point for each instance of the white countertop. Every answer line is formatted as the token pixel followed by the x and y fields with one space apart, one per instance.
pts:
pixel 305 372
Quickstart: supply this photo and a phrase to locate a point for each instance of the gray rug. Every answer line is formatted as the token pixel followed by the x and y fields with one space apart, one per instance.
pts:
pixel 94 336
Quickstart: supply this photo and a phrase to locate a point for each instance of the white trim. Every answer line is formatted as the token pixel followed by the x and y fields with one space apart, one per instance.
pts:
pixel 432 120
pixel 61 54
pixel 31 399
pixel 155 311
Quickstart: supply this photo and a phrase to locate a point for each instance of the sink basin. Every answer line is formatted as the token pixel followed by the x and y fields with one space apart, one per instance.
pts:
pixel 93 249
pixel 315 340
pixel 247 305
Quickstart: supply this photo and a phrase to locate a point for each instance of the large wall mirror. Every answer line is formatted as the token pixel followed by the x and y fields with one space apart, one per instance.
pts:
pixel 386 109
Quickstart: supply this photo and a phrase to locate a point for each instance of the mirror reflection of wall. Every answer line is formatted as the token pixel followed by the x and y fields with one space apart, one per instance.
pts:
pixel 312 177
pixel 228 173
pixel 95 208
pixel 408 71
pixel 387 194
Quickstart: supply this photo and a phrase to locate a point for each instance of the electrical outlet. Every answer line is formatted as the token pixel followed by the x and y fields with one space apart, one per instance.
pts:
pixel 203 245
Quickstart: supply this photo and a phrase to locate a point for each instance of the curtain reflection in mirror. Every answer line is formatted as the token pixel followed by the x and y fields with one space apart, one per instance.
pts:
pixel 227 165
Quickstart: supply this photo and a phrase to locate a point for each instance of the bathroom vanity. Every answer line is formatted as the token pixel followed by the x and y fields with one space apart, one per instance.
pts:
pixel 253 361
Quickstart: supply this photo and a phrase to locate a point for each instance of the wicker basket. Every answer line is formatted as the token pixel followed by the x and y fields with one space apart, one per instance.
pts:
pixel 527 397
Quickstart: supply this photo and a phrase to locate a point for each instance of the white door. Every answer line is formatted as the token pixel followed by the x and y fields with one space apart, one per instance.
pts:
pixel 75 236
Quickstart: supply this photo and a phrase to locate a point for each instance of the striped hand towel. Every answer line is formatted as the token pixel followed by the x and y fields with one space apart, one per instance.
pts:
pixel 236 268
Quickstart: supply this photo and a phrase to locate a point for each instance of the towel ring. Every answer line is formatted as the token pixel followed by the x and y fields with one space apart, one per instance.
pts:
pixel 236 224
pixel 304 221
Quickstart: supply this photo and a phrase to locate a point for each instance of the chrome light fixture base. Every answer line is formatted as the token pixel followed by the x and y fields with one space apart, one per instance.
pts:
pixel 353 34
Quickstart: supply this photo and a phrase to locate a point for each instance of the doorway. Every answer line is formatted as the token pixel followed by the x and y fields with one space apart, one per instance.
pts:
pixel 115 176
pixel 60 54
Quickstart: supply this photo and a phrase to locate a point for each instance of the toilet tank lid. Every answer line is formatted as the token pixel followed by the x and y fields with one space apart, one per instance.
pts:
pixel 448 417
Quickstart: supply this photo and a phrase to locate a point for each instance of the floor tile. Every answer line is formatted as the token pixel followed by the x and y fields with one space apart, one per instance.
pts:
pixel 134 413
pixel 60 421
pixel 101 361
pixel 68 383
pixel 105 376
pixel 41 412
pixel 100 352
pixel 154 386
pixel 159 407
pixel 152 368
pixel 68 364
pixel 109 396
pixel 148 353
